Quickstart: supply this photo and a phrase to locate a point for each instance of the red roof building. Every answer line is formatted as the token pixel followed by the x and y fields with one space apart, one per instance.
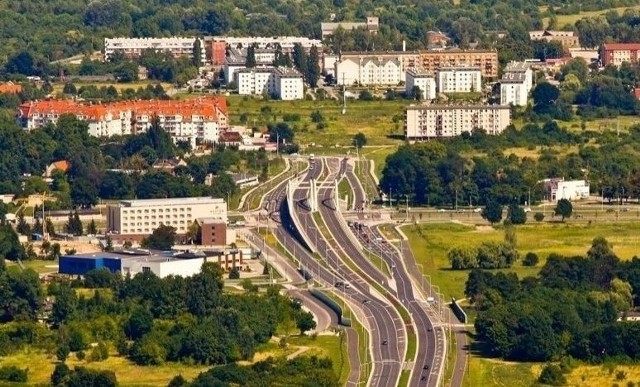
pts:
pixel 618 53
pixel 10 88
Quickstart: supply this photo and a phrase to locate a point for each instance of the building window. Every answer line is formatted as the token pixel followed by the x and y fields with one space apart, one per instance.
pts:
pixel 146 269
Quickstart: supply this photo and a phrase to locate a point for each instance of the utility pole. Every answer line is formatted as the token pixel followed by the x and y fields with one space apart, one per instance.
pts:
pixel 344 96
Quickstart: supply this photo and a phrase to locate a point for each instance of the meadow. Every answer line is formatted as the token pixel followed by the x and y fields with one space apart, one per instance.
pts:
pixel 431 242
pixel 572 19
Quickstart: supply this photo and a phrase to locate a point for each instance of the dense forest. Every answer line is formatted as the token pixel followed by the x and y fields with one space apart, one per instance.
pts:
pixel 570 309
pixel 58 29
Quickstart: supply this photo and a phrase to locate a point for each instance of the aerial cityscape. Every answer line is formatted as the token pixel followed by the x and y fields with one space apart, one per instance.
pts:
pixel 333 193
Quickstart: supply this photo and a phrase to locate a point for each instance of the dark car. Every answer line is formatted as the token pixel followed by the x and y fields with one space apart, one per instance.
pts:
pixel 385 342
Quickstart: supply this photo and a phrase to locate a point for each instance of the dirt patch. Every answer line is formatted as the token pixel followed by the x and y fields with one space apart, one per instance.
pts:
pixel 485 229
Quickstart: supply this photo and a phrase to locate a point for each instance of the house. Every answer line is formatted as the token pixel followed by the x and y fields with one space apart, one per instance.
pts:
pixel 168 164
pixel 618 53
pixel 61 165
pixel 230 138
pixel 568 39
pixel 558 188
pixel 437 40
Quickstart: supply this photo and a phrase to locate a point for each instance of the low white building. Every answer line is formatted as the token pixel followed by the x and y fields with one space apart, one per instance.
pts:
pixel 424 81
pixel 282 83
pixel 134 47
pixel 369 70
pixel 459 79
pixel 558 188
pixel 423 122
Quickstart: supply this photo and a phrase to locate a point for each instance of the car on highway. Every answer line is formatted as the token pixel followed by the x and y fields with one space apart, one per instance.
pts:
pixel 426 367
pixel 385 342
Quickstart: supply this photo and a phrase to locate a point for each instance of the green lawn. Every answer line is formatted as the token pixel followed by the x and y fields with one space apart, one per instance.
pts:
pixel 431 242
pixel 572 19
pixel 373 118
pixel 333 347
pixel 490 372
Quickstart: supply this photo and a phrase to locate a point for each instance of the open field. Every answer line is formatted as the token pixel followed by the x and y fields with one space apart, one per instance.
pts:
pixel 373 118
pixel 57 87
pixel 572 19
pixel 430 244
pixel 497 373
pixel 41 365
pixel 603 375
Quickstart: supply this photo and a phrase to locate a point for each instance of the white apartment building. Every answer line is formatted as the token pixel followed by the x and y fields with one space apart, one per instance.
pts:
pixel 459 79
pixel 282 83
pixel 369 71
pixel 559 188
pixel 516 83
pixel 133 47
pixel 138 218
pixel 286 43
pixel 423 122
pixel 423 80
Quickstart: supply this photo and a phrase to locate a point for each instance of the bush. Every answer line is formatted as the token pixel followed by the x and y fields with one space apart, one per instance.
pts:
pixel 234 273
pixel 59 374
pixel 531 259
pixel 100 352
pixel 80 355
pixel 13 374
pixel 62 352
pixel 552 375
pixel 538 216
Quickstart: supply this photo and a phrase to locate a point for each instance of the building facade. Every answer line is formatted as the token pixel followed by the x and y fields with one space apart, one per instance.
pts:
pixel 134 47
pixel 370 25
pixel 487 60
pixel 516 83
pixel 374 68
pixel 559 188
pixel 282 83
pixel 424 81
pixel 618 53
pixel 568 39
pixel 217 45
pixel 135 219
pixel 459 79
pixel 423 122
pixel 186 120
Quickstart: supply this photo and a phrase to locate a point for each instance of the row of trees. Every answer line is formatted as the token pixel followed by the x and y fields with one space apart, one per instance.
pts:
pixel 571 308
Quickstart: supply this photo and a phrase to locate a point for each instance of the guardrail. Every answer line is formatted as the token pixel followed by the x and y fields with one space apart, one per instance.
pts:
pixel 458 311
pixel 332 305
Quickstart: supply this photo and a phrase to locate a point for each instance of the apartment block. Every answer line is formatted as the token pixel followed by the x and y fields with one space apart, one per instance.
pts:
pixel 486 60
pixel 516 83
pixel 424 81
pixel 459 79
pixel 135 219
pixel 186 120
pixel 423 122
pixel 218 45
pixel 134 47
pixel 283 83
pixel 618 53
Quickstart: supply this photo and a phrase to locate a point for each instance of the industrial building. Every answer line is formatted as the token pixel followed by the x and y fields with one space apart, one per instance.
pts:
pixel 423 122
pixel 162 264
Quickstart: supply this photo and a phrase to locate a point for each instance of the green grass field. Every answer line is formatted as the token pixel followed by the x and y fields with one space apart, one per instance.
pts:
pixel 572 19
pixel 57 87
pixel 373 118
pixel 496 373
pixel 431 242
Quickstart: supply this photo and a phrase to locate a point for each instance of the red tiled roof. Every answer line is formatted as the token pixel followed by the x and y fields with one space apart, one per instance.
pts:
pixel 621 46
pixel 10 87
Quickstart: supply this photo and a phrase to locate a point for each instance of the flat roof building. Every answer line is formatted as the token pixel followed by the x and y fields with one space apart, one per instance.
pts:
pixel 371 25
pixel 487 60
pixel 132 220
pixel 423 122
pixel 134 47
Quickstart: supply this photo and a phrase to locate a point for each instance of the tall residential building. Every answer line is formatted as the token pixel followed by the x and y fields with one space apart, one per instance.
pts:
pixel 424 81
pixel 370 25
pixel 373 68
pixel 282 83
pixel 423 122
pixel 516 83
pixel 568 39
pixel 134 47
pixel 134 219
pixel 617 53
pixel 186 120
pixel 459 79
pixel 487 60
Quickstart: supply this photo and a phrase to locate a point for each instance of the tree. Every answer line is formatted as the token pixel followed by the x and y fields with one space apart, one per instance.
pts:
pixel 70 88
pixel 10 247
pixel 197 53
pixel 359 140
pixel 74 224
pixel 516 214
pixel 23 227
pixel 234 273
pixel 49 227
pixel 544 96
pixel 60 374
pixel 139 323
pixel 178 381
pixel 108 246
pixel 300 59
pixel 64 306
pixel 162 238
pixel 531 259
pixel 463 258
pixel 251 57
pixel 305 322
pixel 492 212
pixel 313 67
pixel 62 352
pixel 563 208
pixel 538 216
pixel 93 228
pixel 552 375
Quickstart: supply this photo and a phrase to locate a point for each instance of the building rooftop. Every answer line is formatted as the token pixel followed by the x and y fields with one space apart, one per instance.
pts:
pixel 455 107
pixel 138 255
pixel 288 72
pixel 417 73
pixel 513 77
pixel 517 67
pixel 171 201
pixel 459 68
pixel 621 46
pixel 211 221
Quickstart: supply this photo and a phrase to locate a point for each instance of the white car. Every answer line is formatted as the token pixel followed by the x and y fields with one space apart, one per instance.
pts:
pixel 477 209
